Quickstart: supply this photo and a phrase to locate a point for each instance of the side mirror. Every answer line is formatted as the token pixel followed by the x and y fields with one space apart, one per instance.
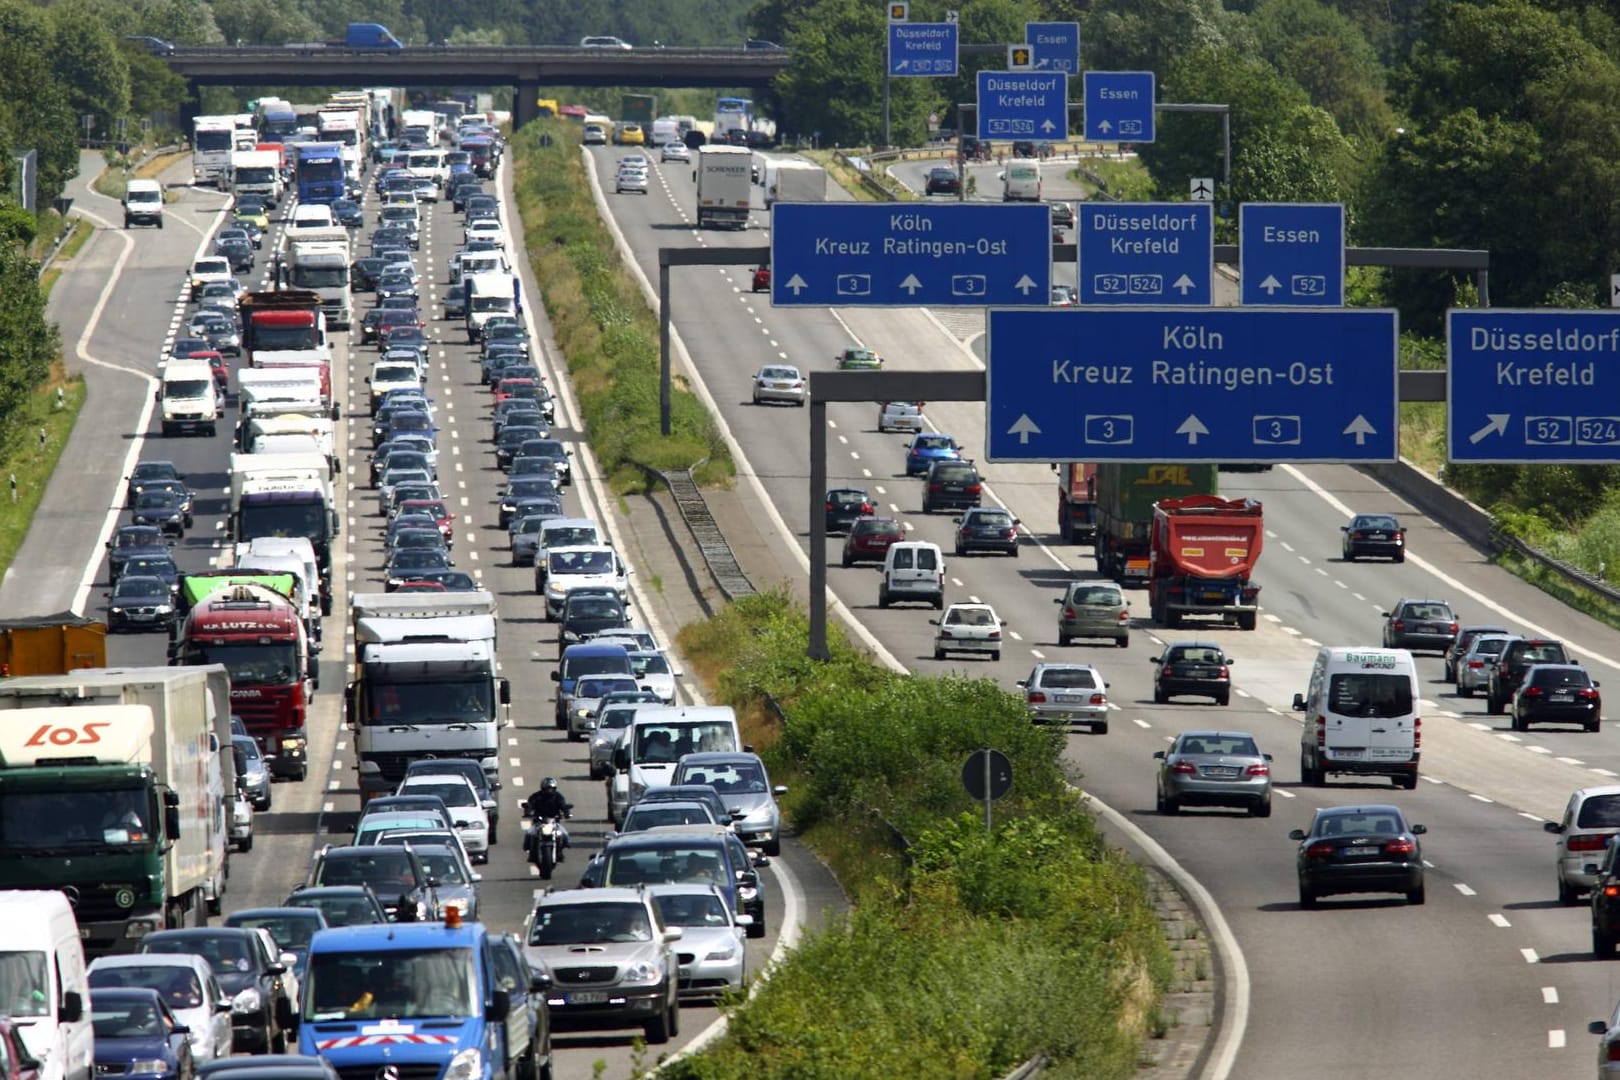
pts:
pixel 1229 661
pixel 1419 830
pixel 289 961
pixel 72 1007
pixel 539 981
pixel 1387 615
pixel 556 676
pixel 1057 600
pixel 505 691
pixel 1553 827
pixel 673 933
pixel 779 789
pixel 933 622
pixel 760 861
pixel 744 920
pixel 180 1029
pixel 1344 528
pixel 276 969
pixel 500 1006
pixel 1158 755
pixel 1299 703
pixel 1296 834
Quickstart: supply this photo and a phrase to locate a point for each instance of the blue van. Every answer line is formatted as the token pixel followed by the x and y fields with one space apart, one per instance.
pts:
pixel 424 998
pixel 586 658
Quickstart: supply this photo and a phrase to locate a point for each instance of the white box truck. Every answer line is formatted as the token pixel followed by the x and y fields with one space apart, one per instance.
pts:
pixel 257 172
pixel 47 981
pixel 725 186
pixel 113 785
pixel 318 260
pixel 188 399
pixel 794 180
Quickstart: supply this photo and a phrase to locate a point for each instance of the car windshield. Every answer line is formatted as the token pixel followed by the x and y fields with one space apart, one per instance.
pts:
pixel 580 562
pixel 660 743
pixel 595 688
pixel 656 816
pixel 1096 595
pixel 126 1020
pixel 137 538
pixel 650 664
pixel 778 373
pixel 1194 654
pixel 386 872
pixel 592 607
pixel 23 983
pixel 666 864
pixel 997 518
pixel 1428 611
pixel 179 986
pixel 1069 679
pixel 145 588
pixel 1213 743
pixel 453 794
pixel 1542 653
pixel 742 777
pixel 394 984
pixel 1359 823
pixel 225 950
pixel 589 924
pixel 1553 678
pixel 443 865
pixel 847 498
pixel 290 932
pixel 1370 694
pixel 1376 521
pixel 693 909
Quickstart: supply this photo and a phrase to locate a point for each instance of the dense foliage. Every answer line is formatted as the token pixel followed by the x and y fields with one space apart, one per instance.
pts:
pixel 951 962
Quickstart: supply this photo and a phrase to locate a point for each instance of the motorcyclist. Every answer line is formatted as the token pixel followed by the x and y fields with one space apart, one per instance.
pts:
pixel 548 802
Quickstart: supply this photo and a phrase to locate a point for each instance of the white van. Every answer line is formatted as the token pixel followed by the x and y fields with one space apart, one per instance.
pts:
pixel 143 203
pixel 297 547
pixel 913 572
pixel 188 399
pixel 1361 716
pixel 659 737
pixel 312 216
pixel 1021 181
pixel 42 966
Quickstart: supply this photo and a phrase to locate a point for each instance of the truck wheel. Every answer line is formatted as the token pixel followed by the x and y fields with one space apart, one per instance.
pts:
pixel 208 907
pixel 1409 781
pixel 1247 620
pixel 1602 942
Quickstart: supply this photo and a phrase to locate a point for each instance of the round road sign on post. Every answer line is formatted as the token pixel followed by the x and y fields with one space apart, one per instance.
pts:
pixel 987 775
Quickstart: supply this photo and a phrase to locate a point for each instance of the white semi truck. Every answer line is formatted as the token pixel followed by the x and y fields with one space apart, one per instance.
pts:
pixel 213 141
pixel 794 180
pixel 725 186
pixel 257 172
pixel 318 260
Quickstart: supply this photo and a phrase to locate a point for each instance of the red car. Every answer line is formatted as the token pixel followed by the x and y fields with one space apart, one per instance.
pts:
pixel 869 539
pixel 436 509
pixel 216 361
pixel 762 278
pixel 19 1064
pixel 507 387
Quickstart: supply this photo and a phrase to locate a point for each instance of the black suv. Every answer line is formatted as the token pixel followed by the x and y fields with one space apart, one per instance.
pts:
pixel 1606 905
pixel 242 961
pixel 1420 624
pixel 951 485
pixel 1517 657
pixel 394 873
pixel 1192 667
pixel 1557 694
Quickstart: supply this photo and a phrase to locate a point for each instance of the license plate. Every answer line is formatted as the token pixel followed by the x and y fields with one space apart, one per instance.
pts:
pixel 1220 771
pixel 1359 852
pixel 1214 596
pixel 1070 699
pixel 1562 697
pixel 587 997
pixel 1350 755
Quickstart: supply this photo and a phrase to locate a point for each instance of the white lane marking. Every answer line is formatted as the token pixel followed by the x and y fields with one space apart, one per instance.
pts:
pixel 1530 956
pixel 1143 724
pixel 1479 798
pixel 1285 794
pixel 1549 995
pixel 1555 1039
pixel 1037 654
pixel 1464 889
pixel 1499 920
pixel 1571 761
pixel 1286 546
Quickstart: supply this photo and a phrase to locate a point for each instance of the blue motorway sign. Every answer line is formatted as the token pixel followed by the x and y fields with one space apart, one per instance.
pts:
pixel 1056 45
pixel 1533 387
pixel 1173 385
pixel 922 49
pixel 1023 105
pixel 1119 106
pixel 910 255
pixel 1146 253
pixel 1291 254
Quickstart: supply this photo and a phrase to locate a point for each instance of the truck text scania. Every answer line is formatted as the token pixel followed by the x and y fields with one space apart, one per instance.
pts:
pixel 113 789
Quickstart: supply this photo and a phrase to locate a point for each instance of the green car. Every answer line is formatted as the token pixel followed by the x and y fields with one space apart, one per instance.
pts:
pixel 853 359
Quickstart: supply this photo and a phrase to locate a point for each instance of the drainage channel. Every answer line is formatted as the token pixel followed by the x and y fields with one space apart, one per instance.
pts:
pixel 717 553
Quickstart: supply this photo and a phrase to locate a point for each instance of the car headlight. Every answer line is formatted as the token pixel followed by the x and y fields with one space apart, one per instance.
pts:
pixel 139 928
pixel 642 974
pixel 761 813
pixel 582 713
pixel 149 1065
pixel 746 892
pixel 727 953
pixel 467 1065
pixel 249 1000
pixel 115 610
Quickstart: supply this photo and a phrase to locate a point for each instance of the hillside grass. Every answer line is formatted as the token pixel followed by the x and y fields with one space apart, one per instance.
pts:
pixel 31 461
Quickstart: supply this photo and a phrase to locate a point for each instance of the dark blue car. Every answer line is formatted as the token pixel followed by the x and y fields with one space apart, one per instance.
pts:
pixel 927 448
pixel 136 1025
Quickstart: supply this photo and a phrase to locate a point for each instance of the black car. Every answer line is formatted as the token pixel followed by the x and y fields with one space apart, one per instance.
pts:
pixel 584 616
pixel 1359 849
pixel 438 580
pixel 942 181
pixel 394 873
pixel 845 506
pixel 987 529
pixel 134 541
pixel 347 213
pixel 146 472
pixel 239 252
pixel 512 437
pixel 161 567
pixel 342 905
pixel 1557 694
pixel 391 236
pixel 1518 656
pixel 951 485
pixel 1192 668
pixel 462 192
pixel 162 509
pixel 140 602
pixel 397 283
pixel 134 1025
pixel 268 1067
pixel 526 989
pixel 522 489
pixel 1375 535
pixel 365 272
pixel 504 334
pixel 1420 624
pixel 1462 643
pixel 1606 904
pixel 242 961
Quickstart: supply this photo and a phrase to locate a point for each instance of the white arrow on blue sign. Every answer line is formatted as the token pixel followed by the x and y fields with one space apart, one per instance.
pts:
pixel 1291 254
pixel 1119 106
pixel 1023 105
pixel 1533 387
pixel 1056 45
pixel 1146 253
pixel 923 50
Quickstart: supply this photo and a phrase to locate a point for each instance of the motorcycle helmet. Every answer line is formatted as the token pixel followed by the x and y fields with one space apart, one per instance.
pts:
pixel 549 784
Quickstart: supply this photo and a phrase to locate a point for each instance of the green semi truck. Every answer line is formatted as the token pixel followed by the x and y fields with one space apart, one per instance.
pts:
pixel 1125 495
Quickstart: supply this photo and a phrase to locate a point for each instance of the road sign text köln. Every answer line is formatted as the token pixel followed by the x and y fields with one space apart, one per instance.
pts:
pixel 1056 45
pixel 1023 105
pixel 889 255
pixel 1533 387
pixel 1291 254
pixel 1178 385
pixel 1119 106
pixel 922 49
pixel 1146 253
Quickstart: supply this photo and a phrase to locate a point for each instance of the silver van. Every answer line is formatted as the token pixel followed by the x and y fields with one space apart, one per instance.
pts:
pixel 913 572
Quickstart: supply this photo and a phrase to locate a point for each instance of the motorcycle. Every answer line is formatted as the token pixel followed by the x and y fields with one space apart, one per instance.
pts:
pixel 544 843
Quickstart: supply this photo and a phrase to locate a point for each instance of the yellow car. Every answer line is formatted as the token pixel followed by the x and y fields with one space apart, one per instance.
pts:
pixel 255 215
pixel 631 135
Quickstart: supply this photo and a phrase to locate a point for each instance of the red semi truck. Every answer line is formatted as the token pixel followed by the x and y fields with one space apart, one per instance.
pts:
pixel 1077 501
pixel 1126 494
pixel 287 328
pixel 1203 552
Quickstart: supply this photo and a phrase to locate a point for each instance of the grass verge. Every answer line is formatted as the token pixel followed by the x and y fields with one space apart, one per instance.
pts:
pixel 117 174
pixel 962 942
pixel 70 248
pixel 1128 179
pixel 608 336
pixel 32 461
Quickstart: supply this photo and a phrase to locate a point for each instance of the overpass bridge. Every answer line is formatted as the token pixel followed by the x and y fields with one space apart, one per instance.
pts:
pixel 527 68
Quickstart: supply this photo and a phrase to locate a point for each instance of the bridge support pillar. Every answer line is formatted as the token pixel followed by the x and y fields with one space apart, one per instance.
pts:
pixel 190 109
pixel 526 104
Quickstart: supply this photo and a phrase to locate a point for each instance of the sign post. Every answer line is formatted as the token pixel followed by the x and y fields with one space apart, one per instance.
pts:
pixel 923 49
pixel 987 775
pixel 1240 385
pixel 1291 253
pixel 1056 45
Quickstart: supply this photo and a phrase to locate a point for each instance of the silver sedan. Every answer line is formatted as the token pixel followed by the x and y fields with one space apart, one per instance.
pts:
pixel 713 949
pixel 631 180
pixel 780 383
pixel 1474 666
pixel 1214 768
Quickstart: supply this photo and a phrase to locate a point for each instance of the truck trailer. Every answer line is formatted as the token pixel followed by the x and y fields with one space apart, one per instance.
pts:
pixel 51 644
pixel 725 186
pixel 1204 549
pixel 1124 511
pixel 113 789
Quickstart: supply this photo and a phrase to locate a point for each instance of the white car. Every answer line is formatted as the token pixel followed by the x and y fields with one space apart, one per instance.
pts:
pixel 208 269
pixel 573 567
pixel 187 983
pixel 630 179
pixel 674 152
pixel 968 628
pixel 900 416
pixel 779 382
pixel 631 638
pixel 484 229
pixel 653 671
pixel 466 808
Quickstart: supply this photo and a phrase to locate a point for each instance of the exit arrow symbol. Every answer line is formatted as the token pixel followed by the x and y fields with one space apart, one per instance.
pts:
pixel 1271 285
pixel 1192 427
pixel 1497 426
pixel 1105 126
pixel 1023 427
pixel 1025 284
pixel 795 283
pixel 1185 284
pixel 1048 127
pixel 1360 428
pixel 911 284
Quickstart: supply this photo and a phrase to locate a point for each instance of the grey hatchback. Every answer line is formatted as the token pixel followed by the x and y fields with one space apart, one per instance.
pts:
pixel 1094 609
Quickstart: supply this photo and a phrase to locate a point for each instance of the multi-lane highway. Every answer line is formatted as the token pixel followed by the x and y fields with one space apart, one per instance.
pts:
pixel 126 306
pixel 1492 978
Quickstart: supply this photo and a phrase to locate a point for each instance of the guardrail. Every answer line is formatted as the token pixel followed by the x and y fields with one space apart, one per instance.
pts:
pixel 1031 1068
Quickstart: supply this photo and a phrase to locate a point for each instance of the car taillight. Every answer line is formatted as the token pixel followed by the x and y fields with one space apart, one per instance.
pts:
pixel 866 508
pixel 973 489
pixel 1222 672
pixel 1184 767
pixel 1320 850
pixel 1261 769
pixel 1358 536
pixel 1611 890
pixel 1400 534
pixel 995 635
pixel 1099 699
pixel 1402 846
pixel 967 532
pixel 829 507
pixel 1398 624
pixel 1417 732
pixel 1453 628
pixel 1587 842
pixel 1476 663
pixel 1587 693
pixel 1068 613
pixel 1531 691
pixel 1035 697
pixel 1611 1051
pixel 1321 732
pixel 1012 534
pixel 936 487
pixel 1168 669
